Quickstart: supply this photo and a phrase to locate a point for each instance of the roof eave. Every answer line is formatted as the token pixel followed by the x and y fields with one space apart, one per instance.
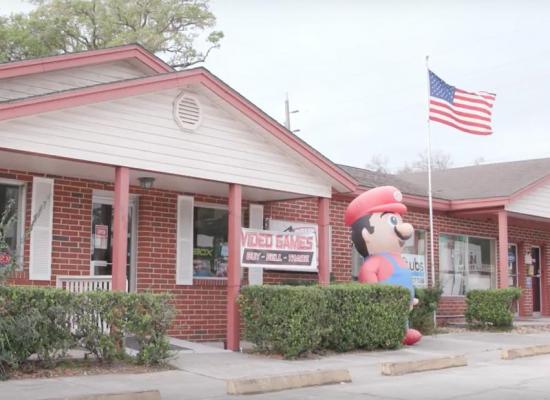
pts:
pixel 115 90
pixel 63 61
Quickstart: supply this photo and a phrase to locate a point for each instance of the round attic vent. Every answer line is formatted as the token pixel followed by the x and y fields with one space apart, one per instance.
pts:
pixel 187 112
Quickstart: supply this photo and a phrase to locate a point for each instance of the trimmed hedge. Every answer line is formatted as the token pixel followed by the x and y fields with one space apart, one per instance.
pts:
pixel 47 322
pixel 422 315
pixel 491 308
pixel 293 320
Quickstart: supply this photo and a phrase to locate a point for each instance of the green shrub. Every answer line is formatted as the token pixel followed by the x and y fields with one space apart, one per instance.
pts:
pixel 296 320
pixel 283 319
pixel 365 316
pixel 491 308
pixel 149 321
pixel 99 323
pixel 422 315
pixel 48 322
pixel 48 312
pixel 17 334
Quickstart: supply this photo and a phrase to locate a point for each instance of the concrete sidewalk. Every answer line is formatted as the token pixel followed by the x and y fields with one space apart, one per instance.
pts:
pixel 477 346
pixel 203 370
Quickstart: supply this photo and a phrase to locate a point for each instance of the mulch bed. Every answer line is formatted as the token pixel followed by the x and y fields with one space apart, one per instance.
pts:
pixel 36 369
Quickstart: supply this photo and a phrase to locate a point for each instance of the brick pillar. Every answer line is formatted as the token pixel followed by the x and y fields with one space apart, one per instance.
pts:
pixel 502 249
pixel 234 267
pixel 323 222
pixel 120 228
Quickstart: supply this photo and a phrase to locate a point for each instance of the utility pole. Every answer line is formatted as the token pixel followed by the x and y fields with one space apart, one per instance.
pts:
pixel 287 115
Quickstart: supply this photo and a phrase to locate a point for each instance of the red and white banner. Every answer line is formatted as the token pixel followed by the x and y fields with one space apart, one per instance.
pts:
pixel 285 251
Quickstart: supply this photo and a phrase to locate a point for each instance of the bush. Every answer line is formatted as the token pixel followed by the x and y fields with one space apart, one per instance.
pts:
pixel 297 320
pixel 149 320
pixel 48 322
pixel 40 315
pixel 283 319
pixel 422 315
pixel 491 308
pixel 99 322
pixel 365 316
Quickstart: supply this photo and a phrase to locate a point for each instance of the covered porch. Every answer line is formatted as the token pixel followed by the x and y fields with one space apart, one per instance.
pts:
pixel 523 244
pixel 111 229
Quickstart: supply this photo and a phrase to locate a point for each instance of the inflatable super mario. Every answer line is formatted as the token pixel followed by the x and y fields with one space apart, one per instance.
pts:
pixel 379 234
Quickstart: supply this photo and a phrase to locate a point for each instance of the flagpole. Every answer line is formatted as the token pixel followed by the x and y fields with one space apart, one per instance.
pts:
pixel 430 203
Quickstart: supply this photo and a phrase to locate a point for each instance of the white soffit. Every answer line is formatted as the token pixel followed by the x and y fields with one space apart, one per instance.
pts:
pixel 535 202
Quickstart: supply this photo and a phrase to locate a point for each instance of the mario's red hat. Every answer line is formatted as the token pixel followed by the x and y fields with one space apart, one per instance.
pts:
pixel 380 199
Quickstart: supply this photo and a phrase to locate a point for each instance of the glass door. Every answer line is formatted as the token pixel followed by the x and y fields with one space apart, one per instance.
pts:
pixel 535 255
pixel 102 239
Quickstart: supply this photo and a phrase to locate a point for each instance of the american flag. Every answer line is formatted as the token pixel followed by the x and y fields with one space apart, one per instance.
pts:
pixel 466 111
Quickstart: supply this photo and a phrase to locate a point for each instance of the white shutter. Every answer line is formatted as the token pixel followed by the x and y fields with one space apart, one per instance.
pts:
pixel 184 252
pixel 40 262
pixel 256 221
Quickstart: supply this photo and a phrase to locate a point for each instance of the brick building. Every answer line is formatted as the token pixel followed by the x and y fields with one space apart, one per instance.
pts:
pixel 140 178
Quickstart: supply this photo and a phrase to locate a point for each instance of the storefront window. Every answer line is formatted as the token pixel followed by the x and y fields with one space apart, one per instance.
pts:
pixel 210 249
pixel 416 244
pixel 465 263
pixel 10 213
pixel 414 252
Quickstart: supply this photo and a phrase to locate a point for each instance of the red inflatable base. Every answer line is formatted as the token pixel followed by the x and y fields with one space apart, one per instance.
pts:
pixel 411 337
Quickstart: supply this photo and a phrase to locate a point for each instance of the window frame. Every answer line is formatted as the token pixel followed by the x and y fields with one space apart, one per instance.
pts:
pixel 425 254
pixel 215 206
pixel 467 266
pixel 21 213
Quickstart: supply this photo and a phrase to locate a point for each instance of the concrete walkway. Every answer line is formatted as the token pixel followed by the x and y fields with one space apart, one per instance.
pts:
pixel 203 370
pixel 478 346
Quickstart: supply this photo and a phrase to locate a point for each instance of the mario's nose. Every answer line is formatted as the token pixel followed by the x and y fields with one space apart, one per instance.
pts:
pixel 404 230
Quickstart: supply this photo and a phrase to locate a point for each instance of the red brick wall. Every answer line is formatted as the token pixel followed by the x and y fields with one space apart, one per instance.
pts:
pixel 71 226
pixel 201 308
pixel 305 210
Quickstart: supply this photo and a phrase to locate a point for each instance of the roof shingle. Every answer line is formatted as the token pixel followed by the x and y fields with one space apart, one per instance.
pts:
pixel 464 183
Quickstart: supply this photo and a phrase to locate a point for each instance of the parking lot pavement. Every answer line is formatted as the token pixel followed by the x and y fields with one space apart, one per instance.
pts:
pixel 202 374
pixel 519 379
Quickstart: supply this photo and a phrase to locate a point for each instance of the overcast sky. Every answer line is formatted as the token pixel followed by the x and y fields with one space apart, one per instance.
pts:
pixel 356 71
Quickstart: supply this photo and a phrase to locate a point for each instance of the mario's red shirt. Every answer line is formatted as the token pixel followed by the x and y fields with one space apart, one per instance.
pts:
pixel 378 268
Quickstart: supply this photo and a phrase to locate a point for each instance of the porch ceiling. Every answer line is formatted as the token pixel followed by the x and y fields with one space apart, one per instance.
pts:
pixel 104 173
pixel 514 219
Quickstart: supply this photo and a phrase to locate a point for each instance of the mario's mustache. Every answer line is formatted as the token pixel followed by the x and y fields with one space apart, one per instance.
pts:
pixel 400 235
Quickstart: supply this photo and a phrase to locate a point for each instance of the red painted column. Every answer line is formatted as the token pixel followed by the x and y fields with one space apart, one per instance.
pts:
pixel 120 227
pixel 234 267
pixel 502 249
pixel 323 221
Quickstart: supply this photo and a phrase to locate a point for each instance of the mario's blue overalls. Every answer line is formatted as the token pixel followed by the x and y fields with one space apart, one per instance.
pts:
pixel 400 276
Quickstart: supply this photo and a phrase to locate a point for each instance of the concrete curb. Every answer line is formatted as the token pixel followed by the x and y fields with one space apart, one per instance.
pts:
pixel 145 395
pixel 511 354
pixel 284 382
pixel 408 367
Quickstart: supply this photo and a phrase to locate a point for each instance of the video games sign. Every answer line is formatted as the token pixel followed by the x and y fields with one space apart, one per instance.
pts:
pixel 285 251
